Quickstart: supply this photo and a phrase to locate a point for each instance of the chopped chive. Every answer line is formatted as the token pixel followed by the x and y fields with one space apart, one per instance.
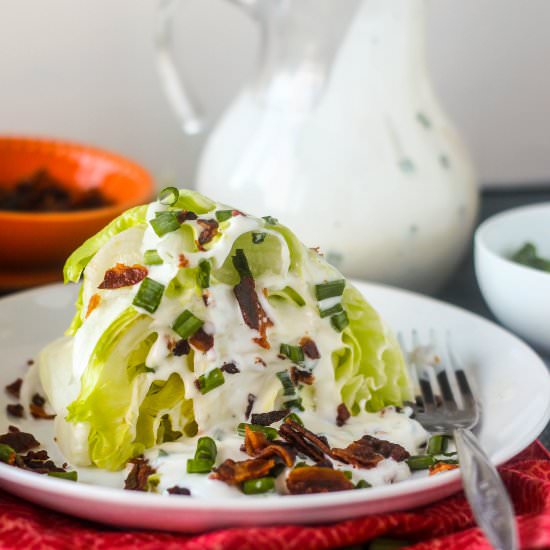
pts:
pixel 211 380
pixel 294 404
pixel 241 263
pixel 199 466
pixel 206 449
pixel 165 222
pixel 151 257
pixel 294 296
pixel 330 289
pixel 294 417
pixel 294 353
pixel 258 238
pixel 223 215
pixel 169 196
pixel 420 462
pixel 347 473
pixel 447 461
pixel 362 484
pixel 437 444
pixel 339 321
pixel 7 454
pixel 258 486
pixel 330 311
pixel 149 295
pixel 270 433
pixel 162 452
pixel 71 476
pixel 288 386
pixel 191 429
pixel 187 324
pixel 203 276
pixel 270 220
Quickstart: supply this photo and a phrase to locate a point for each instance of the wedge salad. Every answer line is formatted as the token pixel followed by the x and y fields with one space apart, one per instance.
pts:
pixel 212 353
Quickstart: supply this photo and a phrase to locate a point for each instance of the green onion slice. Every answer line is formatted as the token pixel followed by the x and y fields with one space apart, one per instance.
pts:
pixel 270 220
pixel 347 473
pixel 294 353
pixel 288 386
pixel 330 311
pixel 241 263
pixel 151 257
pixel 210 380
pixel 294 404
pixel 169 196
pixel 7 454
pixel 199 466
pixel 362 484
pixel 149 295
pixel 258 238
pixel 206 449
pixel 339 321
pixel 420 462
pixel 330 289
pixel 294 417
pixel 270 433
pixel 71 476
pixel 437 444
pixel 258 486
pixel 223 215
pixel 203 276
pixel 187 324
pixel 165 222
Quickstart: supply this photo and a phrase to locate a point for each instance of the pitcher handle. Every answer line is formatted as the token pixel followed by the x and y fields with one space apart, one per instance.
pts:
pixel 188 110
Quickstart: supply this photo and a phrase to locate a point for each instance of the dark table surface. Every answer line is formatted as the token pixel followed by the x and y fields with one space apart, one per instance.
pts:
pixel 462 289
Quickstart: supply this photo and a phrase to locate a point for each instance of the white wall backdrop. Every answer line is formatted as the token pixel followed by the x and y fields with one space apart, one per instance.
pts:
pixel 85 70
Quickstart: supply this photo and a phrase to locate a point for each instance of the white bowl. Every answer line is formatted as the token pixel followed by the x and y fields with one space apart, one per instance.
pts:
pixel 518 296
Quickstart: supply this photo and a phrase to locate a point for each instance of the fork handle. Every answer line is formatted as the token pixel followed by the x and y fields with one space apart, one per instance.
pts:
pixel 486 493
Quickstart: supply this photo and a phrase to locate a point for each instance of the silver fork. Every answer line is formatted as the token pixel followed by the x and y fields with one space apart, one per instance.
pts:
pixel 441 412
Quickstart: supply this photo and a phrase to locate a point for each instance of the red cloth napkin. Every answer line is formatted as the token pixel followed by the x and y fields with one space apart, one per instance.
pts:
pixel 446 524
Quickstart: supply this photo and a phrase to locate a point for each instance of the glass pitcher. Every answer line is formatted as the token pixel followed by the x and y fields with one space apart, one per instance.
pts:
pixel 340 136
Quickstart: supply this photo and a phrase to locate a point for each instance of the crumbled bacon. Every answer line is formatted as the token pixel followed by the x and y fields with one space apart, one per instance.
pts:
pixel 186 215
pixel 209 231
pixel 235 473
pixel 95 300
pixel 38 462
pixel 230 368
pixel 260 361
pixel 313 479
pixel 368 451
pixel 15 410
pixel 250 403
pixel 439 467
pixel 177 490
pixel 181 347
pixel 304 441
pixel 201 340
pixel 252 311
pixel 299 376
pixel 14 388
pixel 139 474
pixel 20 442
pixel 206 297
pixel 37 408
pixel 182 261
pixel 268 418
pixel 123 275
pixel 256 444
pixel 342 415
pixel 310 348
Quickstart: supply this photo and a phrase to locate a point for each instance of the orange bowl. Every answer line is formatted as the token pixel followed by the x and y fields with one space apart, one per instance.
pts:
pixel 41 241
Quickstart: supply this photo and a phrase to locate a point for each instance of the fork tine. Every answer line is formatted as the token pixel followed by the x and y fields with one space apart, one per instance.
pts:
pixel 468 399
pixel 446 391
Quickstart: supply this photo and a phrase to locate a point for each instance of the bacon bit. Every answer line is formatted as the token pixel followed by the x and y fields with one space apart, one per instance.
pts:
pixel 230 368
pixel 181 348
pixel 317 250
pixel 268 418
pixel 313 479
pixel 235 473
pixel 256 444
pixel 310 348
pixel 15 410
pixel 342 415
pixel 38 462
pixel 183 261
pixel 123 275
pixel 14 389
pixel 282 357
pixel 265 292
pixel 251 398
pixel 298 376
pixel 177 490
pixel 304 441
pixel 202 340
pixel 237 213
pixel 197 384
pixel 139 474
pixel 206 297
pixel 95 300
pixel 368 451
pixel 39 413
pixel 440 467
pixel 209 231
pixel 30 362
pixel 186 215
pixel 252 311
pixel 20 442
pixel 260 361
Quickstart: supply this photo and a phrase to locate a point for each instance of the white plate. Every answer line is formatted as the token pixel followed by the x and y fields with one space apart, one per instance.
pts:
pixel 512 383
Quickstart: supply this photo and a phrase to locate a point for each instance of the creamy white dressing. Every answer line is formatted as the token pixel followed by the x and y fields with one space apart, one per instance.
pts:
pixel 218 412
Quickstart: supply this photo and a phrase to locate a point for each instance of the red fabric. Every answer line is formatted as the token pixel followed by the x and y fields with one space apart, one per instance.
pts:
pixel 446 524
